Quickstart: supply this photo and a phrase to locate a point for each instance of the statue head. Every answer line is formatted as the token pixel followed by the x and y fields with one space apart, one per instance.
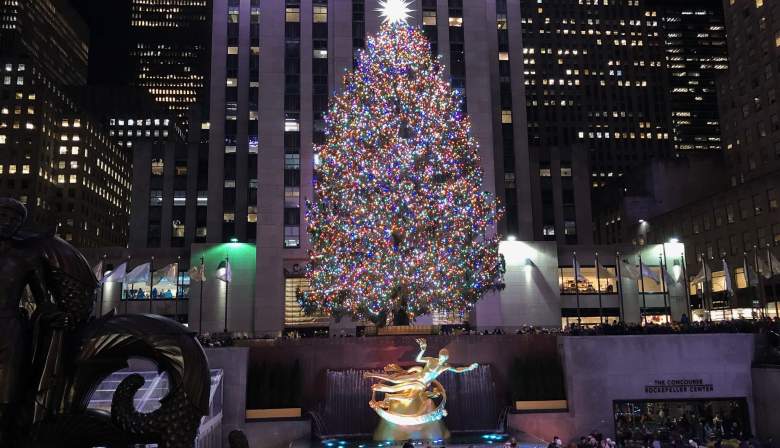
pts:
pixel 12 215
pixel 444 355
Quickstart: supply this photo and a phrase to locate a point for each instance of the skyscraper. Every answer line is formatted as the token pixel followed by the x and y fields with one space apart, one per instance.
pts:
pixel 169 50
pixel 55 158
pixel 693 39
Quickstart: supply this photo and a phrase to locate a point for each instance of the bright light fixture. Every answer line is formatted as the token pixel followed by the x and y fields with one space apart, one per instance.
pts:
pixel 394 11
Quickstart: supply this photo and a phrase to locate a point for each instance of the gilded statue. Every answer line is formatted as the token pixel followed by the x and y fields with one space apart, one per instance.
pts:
pixel 408 409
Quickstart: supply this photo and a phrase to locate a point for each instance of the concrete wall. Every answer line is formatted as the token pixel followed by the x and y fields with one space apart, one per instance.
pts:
pixel 766 390
pixel 233 361
pixel 601 370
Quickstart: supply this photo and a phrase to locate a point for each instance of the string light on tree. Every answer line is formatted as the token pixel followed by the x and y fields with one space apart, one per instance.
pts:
pixel 394 11
pixel 400 225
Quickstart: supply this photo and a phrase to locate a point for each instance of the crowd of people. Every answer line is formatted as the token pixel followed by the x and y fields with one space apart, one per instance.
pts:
pixel 770 327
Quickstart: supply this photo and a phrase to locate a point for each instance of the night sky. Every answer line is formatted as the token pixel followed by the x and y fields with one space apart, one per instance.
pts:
pixel 109 28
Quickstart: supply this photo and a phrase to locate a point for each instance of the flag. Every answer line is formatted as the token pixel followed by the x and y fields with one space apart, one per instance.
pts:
pixel 578 272
pixel 763 268
pixel 751 277
pixel 224 272
pixel 701 277
pixel 649 273
pixel 670 279
pixel 197 273
pixel 775 264
pixel 98 271
pixel 604 272
pixel 117 275
pixel 139 274
pixel 167 273
pixel 727 273
pixel 630 271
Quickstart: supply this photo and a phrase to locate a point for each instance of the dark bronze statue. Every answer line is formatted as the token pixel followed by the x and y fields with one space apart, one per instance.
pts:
pixel 53 354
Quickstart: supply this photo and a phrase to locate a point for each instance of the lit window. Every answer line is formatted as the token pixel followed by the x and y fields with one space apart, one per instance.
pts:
pixel 63 150
pixel 60 178
pixel 231 82
pixel 429 18
pixel 759 3
pixel 456 21
pixel 25 169
pixel 503 56
pixel 230 183
pixel 320 54
pixel 501 22
pixel 229 217
pixel 506 116
pixel 545 172
pixel 3 139
pixel 232 50
pixel 73 179
pixel 251 213
pixel 155 198
pixel 292 14
pixel 158 167
pixel 565 171
pixel 320 14
pixel 291 125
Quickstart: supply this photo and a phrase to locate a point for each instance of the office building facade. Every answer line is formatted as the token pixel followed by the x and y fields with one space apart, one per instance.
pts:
pixel 56 159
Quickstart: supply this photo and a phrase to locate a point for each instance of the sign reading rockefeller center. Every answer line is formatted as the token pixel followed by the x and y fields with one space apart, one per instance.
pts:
pixel 684 385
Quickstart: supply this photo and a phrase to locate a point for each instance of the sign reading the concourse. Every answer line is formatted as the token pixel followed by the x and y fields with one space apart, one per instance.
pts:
pixel 684 385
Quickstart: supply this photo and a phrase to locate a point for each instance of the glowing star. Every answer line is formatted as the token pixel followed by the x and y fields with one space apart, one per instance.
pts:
pixel 394 11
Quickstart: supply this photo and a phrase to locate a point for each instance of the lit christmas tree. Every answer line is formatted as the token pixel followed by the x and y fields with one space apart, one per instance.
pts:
pixel 400 225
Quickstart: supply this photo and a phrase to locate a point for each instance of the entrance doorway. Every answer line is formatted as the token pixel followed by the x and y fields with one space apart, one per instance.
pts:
pixel 674 422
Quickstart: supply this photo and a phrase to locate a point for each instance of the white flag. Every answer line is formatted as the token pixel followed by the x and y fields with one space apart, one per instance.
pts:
pixel 167 273
pixel 775 263
pixel 139 274
pixel 197 273
pixel 117 275
pixel 578 272
pixel 701 277
pixel 727 273
pixel 97 270
pixel 630 271
pixel 604 272
pixel 649 273
pixel 224 272
pixel 763 268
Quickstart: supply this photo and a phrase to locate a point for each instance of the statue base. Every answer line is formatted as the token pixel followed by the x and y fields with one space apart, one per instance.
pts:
pixel 387 431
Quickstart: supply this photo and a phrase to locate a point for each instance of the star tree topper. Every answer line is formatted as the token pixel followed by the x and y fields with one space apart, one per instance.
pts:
pixel 394 11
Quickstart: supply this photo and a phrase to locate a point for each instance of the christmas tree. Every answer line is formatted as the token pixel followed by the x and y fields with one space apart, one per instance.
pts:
pixel 400 225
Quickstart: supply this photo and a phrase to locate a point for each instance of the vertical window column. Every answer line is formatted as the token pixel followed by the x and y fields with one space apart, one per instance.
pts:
pixel 231 122
pixel 358 28
pixel 253 137
pixel 507 128
pixel 292 117
pixel 429 23
pixel 457 50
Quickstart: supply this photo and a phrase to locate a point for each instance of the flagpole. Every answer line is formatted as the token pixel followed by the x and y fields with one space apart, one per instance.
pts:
pixel 102 282
pixel 642 288
pixel 687 289
pixel 598 288
pixel 577 288
pixel 151 282
pixel 227 287
pixel 771 277
pixel 663 287
pixel 761 288
pixel 176 296
pixel 123 282
pixel 746 268
pixel 619 273
pixel 707 287
pixel 200 300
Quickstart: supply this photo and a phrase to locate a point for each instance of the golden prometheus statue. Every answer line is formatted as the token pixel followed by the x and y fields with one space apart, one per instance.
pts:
pixel 408 409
